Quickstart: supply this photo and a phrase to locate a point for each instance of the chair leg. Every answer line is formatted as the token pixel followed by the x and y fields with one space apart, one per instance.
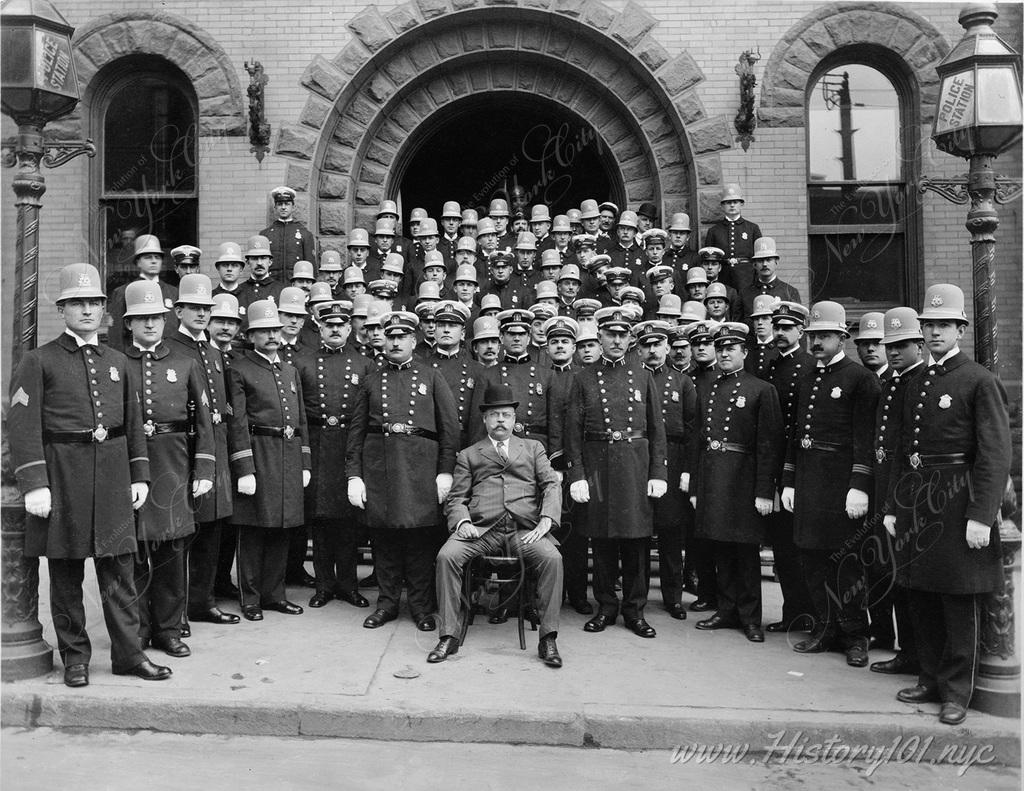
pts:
pixel 522 613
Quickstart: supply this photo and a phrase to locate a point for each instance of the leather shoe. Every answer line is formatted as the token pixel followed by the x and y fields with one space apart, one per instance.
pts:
pixel 702 605
pixel 172 646
pixel 677 611
pixel 598 623
pixel 919 694
pixel 717 622
pixel 320 598
pixel 815 644
pixel 76 675
pixel 548 651
pixel 147 671
pixel 857 654
pixel 185 629
pixel 952 714
pixel 582 606
pixel 378 618
pixel 900 664
pixel 753 633
pixel 252 613
pixel 214 615
pixel 354 598
pixel 425 622
pixel 499 616
pixel 445 647
pixel 641 628
pixel 283 606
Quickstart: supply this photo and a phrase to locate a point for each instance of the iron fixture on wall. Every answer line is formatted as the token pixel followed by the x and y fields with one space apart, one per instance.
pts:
pixel 746 118
pixel 259 129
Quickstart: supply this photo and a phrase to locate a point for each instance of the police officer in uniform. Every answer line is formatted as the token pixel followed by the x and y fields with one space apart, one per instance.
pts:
pixel 761 348
pixel 452 360
pixel 179 443
pixel 270 461
pixel 331 377
pixel 260 285
pixel 290 240
pixel 615 443
pixel 401 448
pixel 79 454
pixel 736 236
pixel 765 261
pixel 149 258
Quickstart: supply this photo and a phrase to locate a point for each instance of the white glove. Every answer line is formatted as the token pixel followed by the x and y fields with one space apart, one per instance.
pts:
pixel 763 505
pixel 444 485
pixel 357 492
pixel 656 488
pixel 977 534
pixel 38 502
pixel 201 487
pixel 684 482
pixel 788 494
pixel 247 485
pixel 890 524
pixel 856 503
pixel 140 491
pixel 580 492
pixel 307 476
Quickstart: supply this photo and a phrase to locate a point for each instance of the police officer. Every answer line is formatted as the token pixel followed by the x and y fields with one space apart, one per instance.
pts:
pixel 673 514
pixel 229 266
pixel 452 360
pixel 180 446
pixel 270 461
pixel 735 235
pixel 451 218
pixel 197 312
pixel 765 260
pixel 149 259
pixel 870 346
pixel 290 240
pixel 826 478
pixel 401 446
pixel 260 285
pixel 761 347
pixel 741 442
pixel 678 255
pixel 711 259
pixel 79 454
pixel 954 437
pixel 625 252
pixel 615 443
pixel 291 310
pixel 331 377
pixel 331 271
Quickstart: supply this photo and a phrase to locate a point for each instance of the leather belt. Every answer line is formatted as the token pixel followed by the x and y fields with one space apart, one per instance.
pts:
pixel 150 428
pixel 735 261
pixel 275 431
pixel 402 429
pixel 524 428
pixel 613 436
pixel 812 444
pixel 734 447
pixel 331 421
pixel 917 460
pixel 98 434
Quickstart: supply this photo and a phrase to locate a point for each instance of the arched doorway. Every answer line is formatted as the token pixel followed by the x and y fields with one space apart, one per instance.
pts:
pixel 491 143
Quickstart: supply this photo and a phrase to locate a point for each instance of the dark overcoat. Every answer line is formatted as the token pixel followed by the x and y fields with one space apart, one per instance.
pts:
pixel 678 398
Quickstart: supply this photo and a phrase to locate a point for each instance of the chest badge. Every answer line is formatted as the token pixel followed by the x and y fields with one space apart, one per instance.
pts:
pixel 169 303
pixel 216 365
pixel 469 383
pixel 422 389
pixel 539 389
pixel 837 392
pixel 741 402
pixel 945 401
pixel 293 388
pixel 675 396
pixel 115 375
pixel 637 396
pixel 743 235
pixel 172 375
pixel 355 379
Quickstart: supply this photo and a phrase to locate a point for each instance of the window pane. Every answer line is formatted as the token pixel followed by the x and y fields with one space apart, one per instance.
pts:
pixel 173 221
pixel 855 268
pixel 838 204
pixel 149 139
pixel 854 126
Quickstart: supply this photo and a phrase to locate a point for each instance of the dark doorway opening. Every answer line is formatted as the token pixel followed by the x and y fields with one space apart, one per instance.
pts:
pixel 495 142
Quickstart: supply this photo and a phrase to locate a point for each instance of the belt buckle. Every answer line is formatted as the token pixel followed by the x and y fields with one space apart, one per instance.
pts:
pixel 398 428
pixel 519 428
pixel 289 432
pixel 99 433
pixel 805 443
pixel 148 429
pixel 880 455
pixel 714 444
pixel 616 435
pixel 915 460
pixel 215 417
pixel 332 421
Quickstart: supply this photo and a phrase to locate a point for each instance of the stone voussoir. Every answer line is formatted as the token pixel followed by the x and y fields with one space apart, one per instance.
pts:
pixel 296 141
pixel 371 28
pixel 632 24
pixel 324 78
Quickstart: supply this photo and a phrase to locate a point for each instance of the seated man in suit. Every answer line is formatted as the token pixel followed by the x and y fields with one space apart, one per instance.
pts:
pixel 505 499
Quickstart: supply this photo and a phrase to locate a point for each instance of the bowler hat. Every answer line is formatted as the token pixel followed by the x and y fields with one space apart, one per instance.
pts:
pixel 498 396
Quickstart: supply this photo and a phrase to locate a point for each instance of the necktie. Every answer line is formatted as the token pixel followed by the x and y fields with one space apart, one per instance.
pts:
pixel 501 452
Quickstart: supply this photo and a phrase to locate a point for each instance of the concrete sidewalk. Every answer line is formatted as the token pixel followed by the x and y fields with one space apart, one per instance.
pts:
pixel 322 674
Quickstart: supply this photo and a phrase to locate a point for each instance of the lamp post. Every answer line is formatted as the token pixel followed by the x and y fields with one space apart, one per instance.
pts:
pixel 978 117
pixel 38 86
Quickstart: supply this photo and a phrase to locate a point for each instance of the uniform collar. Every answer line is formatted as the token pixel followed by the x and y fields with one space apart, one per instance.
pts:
pixel 194 338
pixel 897 375
pixel 562 366
pixel 837 359
pixel 136 352
pixel 92 340
pixel 946 357
pixel 448 355
pixel 881 371
pixel 400 366
pixel 508 358
pixel 620 363
pixel 275 361
pixel 656 369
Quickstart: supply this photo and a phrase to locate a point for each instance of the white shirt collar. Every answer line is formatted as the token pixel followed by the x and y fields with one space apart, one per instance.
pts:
pixel 92 340
pixel 200 337
pixel 271 360
pixel 951 353
pixel 496 444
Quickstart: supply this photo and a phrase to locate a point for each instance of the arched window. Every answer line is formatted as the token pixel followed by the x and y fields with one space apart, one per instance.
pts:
pixel 146 177
pixel 863 221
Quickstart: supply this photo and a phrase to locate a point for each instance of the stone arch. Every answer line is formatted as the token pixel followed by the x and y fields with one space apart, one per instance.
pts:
pixel 836 26
pixel 406 66
pixel 107 38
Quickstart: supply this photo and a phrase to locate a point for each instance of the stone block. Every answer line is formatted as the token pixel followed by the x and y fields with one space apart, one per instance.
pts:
pixel 432 8
pixel 439 91
pixel 349 132
pixel 352 57
pixel 789 76
pixel 380 154
pixel 625 86
pixel 713 134
pixel 391 134
pixel 362 110
pixel 537 4
pixel 784 97
pixel 296 141
pixel 632 24
pixel 462 5
pixel 315 112
pixel 573 8
pixel 323 77
pixel 459 83
pixel 333 186
pixel 614 131
pixel 420 103
pixel 369 195
pixel 472 38
pixel 651 53
pixel 644 105
pixel 217 106
pixel 159 37
pixel 526 76
pixel 213 84
pixel 680 73
pixel 774 117
pixel 709 169
pixel 403 18
pixel 581 53
pixel 818 39
pixel 923 56
pixel 558 43
pixel 566 91
pixel 379 88
pixel 501 36
pixel 710 207
pixel 668 153
pixel 689 107
pixel 339 158
pixel 675 180
pixel 118 39
pixel 335 243
pixel 400 69
pixel 801 56
pixel 423 55
pixel 640 191
pixel 904 36
pixel 603 68
pixel 93 49
pixel 600 16
pixel 296 176
pixel 332 217
pixel 371 28
pixel 449 44
pixel 658 127
pixel 637 168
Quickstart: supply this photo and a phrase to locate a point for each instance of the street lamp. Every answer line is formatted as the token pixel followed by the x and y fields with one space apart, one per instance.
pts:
pixel 978 117
pixel 38 86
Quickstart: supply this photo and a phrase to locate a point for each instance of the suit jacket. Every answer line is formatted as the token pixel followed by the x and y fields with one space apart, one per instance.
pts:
pixel 485 488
